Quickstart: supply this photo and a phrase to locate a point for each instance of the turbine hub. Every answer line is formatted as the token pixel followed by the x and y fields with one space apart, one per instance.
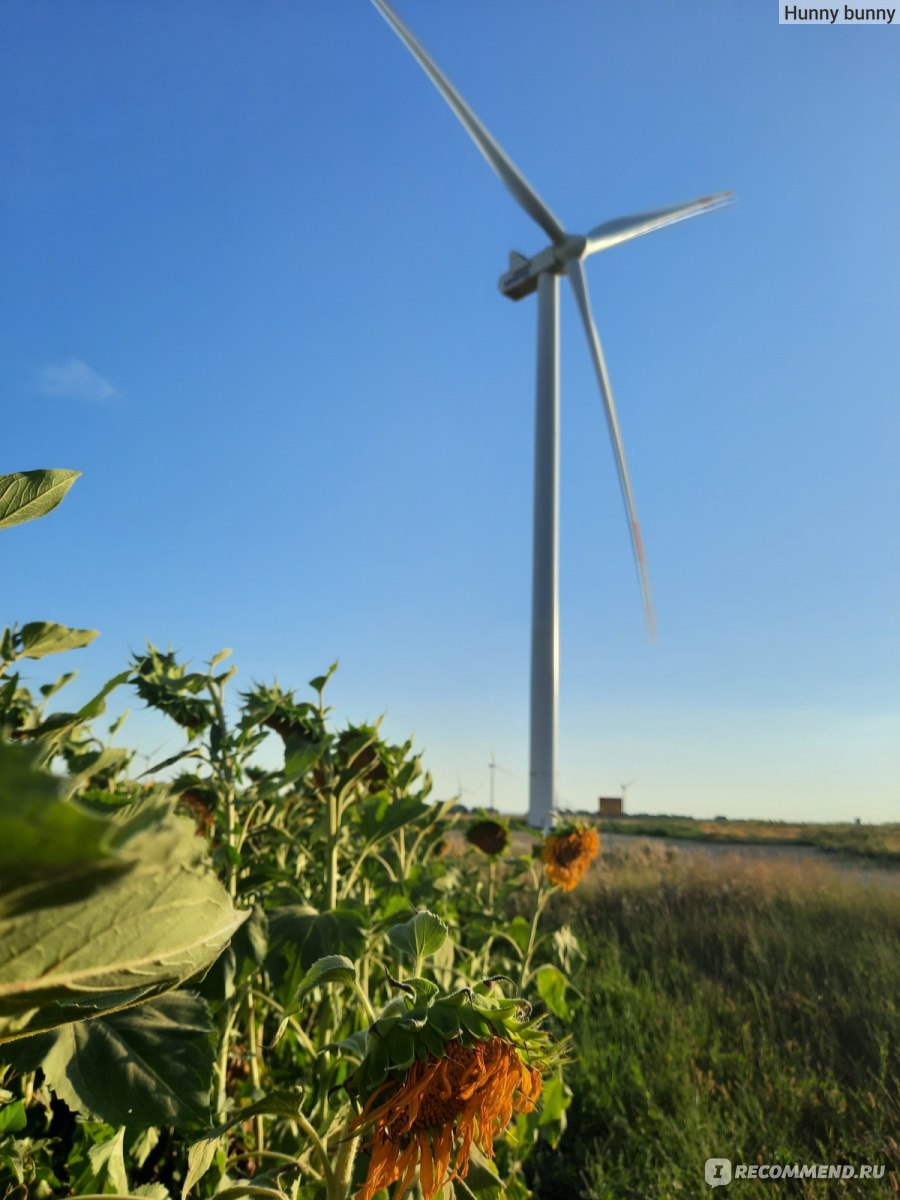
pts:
pixel 573 247
pixel 522 277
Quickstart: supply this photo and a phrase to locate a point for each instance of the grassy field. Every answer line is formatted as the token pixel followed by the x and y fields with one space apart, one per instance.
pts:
pixel 734 1009
pixel 878 843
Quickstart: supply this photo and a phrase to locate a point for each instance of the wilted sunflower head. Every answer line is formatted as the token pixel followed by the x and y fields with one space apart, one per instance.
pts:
pixel 491 837
pixel 568 852
pixel 440 1073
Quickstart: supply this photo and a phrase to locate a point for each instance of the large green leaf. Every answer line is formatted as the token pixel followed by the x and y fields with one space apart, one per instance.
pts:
pixel 202 1153
pixel 381 815
pixel 96 913
pixel 309 935
pixel 59 722
pixel 333 968
pixel 149 1065
pixel 39 638
pixel 25 495
pixel 39 828
pixel 244 953
pixel 302 751
pixel 556 1097
pixel 551 986
pixel 105 1172
pixel 13 1118
pixel 423 934
pixel 107 938
pixel 518 931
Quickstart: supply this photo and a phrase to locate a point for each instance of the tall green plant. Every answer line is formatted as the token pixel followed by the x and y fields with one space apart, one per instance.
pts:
pixel 358 961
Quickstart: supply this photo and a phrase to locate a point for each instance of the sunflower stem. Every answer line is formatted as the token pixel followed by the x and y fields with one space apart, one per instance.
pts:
pixel 401 852
pixel 540 900
pixel 225 777
pixel 364 1001
pixel 322 1154
pixel 333 827
pixel 259 1124
pixel 342 1176
pixel 222 1065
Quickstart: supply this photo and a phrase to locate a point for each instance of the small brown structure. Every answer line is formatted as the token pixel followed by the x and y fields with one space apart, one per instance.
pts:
pixel 610 806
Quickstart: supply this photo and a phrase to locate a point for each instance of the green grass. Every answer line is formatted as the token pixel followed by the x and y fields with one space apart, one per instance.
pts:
pixel 876 843
pixel 733 1010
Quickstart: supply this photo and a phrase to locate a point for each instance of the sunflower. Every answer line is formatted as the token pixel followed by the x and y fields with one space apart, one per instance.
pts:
pixel 490 837
pixel 567 854
pixel 430 1119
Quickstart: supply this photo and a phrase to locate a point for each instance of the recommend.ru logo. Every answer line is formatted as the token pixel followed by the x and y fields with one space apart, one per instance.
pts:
pixel 717 1171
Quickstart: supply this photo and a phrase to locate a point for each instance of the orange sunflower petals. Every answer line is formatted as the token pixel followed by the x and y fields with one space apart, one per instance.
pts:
pixel 443 1106
pixel 566 856
pixel 406 1170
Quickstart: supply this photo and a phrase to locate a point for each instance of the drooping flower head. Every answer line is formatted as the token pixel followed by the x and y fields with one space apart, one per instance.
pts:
pixel 457 1091
pixel 491 837
pixel 567 853
pixel 429 1121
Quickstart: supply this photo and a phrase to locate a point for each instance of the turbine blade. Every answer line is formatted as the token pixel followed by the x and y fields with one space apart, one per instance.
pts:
pixel 577 279
pixel 623 229
pixel 503 166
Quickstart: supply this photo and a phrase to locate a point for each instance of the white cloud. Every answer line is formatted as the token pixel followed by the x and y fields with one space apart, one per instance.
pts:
pixel 75 380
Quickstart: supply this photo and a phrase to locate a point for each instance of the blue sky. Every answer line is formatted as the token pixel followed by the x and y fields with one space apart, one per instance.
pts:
pixel 249 268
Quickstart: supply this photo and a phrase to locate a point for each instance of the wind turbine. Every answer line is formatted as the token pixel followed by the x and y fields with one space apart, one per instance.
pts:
pixel 460 790
pixel 493 767
pixel 540 274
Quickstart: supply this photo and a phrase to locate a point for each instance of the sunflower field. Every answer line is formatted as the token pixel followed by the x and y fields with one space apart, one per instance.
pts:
pixel 224 978
pixel 272 965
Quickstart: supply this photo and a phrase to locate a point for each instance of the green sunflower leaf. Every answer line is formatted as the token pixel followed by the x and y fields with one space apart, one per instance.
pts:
pixel 422 935
pixel 25 495
pixel 551 986
pixel 425 990
pixel 333 968
pixel 38 638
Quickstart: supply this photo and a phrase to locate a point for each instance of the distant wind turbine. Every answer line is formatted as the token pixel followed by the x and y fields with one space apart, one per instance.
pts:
pixel 460 790
pixel 494 767
pixel 541 274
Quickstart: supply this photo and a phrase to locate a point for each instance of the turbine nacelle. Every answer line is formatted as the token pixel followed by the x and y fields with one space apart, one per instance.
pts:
pixel 522 277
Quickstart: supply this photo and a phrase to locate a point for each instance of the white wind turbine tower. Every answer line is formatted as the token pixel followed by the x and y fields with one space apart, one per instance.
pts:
pixel 541 274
